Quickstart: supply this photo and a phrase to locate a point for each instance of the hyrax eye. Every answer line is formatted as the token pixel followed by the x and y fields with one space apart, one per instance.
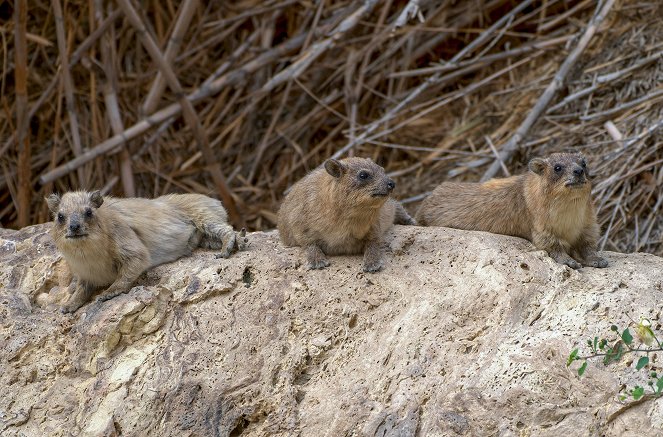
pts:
pixel 583 163
pixel 60 217
pixel 363 175
pixel 558 168
pixel 88 212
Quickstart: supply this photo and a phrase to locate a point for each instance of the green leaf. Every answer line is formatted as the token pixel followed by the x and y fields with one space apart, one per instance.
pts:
pixel 614 328
pixel 602 343
pixel 572 357
pixel 596 342
pixel 622 397
pixel 582 368
pixel 614 353
pixel 659 385
pixel 642 362
pixel 627 337
pixel 637 392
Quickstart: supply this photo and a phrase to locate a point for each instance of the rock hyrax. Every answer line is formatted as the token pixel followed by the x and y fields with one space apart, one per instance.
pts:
pixel 109 242
pixel 550 205
pixel 341 209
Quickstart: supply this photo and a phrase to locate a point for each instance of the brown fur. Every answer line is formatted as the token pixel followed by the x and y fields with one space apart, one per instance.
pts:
pixel 109 242
pixel 552 209
pixel 332 211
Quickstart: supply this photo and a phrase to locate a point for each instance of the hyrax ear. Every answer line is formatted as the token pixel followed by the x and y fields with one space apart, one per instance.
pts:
pixel 335 168
pixel 96 198
pixel 53 202
pixel 537 165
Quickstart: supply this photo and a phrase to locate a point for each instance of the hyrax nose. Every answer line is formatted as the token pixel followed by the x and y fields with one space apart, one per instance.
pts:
pixel 391 185
pixel 579 171
pixel 74 227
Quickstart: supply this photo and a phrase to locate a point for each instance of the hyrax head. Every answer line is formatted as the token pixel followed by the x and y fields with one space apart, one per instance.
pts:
pixel 361 179
pixel 564 173
pixel 75 213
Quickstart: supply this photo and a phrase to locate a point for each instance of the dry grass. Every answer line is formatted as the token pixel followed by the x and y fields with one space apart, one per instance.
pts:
pixel 240 99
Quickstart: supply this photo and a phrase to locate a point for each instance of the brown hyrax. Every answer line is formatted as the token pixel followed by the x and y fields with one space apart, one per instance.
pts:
pixel 341 209
pixel 109 242
pixel 551 206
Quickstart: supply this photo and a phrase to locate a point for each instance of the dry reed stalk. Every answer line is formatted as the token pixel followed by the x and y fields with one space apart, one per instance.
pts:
pixel 109 87
pixel 76 146
pixel 24 190
pixel 184 16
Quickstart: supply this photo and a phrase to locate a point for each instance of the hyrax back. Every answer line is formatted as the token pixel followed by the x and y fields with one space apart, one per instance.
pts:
pixel 343 208
pixel 109 242
pixel 550 205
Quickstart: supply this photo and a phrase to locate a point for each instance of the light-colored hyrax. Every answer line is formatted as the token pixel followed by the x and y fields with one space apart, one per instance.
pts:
pixel 551 206
pixel 341 209
pixel 109 242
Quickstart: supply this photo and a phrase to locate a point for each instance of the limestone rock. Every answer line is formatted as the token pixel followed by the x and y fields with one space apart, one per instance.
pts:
pixel 463 333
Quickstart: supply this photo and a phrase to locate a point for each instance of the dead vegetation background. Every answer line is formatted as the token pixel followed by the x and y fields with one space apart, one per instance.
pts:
pixel 240 99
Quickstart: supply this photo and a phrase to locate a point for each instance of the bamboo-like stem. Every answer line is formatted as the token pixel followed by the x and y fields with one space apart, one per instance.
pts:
pixel 24 189
pixel 76 146
pixel 184 17
pixel 109 86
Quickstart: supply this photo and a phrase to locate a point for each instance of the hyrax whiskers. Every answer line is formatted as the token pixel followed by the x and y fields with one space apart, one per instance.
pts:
pixel 341 209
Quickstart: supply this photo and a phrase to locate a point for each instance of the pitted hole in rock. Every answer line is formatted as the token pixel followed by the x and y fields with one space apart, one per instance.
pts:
pixel 239 428
pixel 353 321
pixel 247 277
pixel 524 266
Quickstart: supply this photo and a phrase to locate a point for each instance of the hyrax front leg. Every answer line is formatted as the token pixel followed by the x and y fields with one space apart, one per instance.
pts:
pixel 80 295
pixel 402 217
pixel 373 256
pixel 316 257
pixel 551 244
pixel 127 275
pixel 585 248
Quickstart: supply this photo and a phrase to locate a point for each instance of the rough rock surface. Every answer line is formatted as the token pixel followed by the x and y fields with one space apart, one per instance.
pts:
pixel 463 333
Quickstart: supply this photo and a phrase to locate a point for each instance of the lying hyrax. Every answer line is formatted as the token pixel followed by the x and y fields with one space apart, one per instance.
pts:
pixel 109 242
pixel 551 206
pixel 343 208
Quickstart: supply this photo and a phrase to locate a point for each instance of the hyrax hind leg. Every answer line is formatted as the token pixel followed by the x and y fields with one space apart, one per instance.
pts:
pixel 219 236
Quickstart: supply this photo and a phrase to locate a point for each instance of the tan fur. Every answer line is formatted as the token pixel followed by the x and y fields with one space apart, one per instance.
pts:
pixel 341 213
pixel 109 242
pixel 540 206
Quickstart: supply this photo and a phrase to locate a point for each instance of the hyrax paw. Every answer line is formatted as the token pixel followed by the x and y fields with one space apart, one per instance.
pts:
pixel 318 264
pixel 575 265
pixel 242 240
pixel 373 266
pixel 68 309
pixel 597 262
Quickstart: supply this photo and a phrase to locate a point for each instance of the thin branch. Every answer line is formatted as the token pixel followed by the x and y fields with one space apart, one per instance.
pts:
pixel 22 120
pixel 184 17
